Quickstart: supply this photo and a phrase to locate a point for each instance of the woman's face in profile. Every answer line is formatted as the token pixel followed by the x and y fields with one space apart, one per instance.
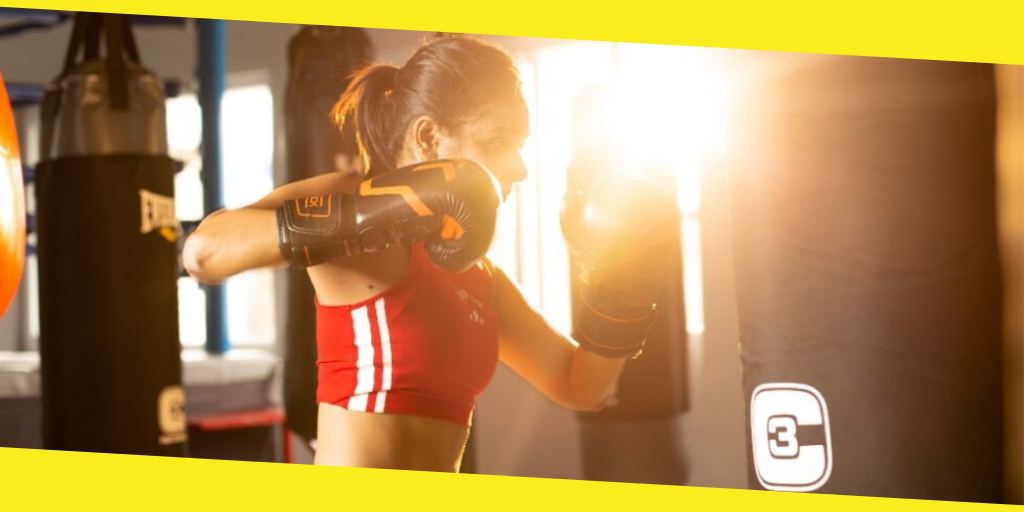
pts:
pixel 493 137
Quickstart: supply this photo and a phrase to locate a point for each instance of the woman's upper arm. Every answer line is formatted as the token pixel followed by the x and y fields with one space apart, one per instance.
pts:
pixel 315 186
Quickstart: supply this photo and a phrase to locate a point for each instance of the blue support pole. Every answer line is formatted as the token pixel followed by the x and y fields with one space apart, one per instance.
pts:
pixel 212 73
pixel 25 94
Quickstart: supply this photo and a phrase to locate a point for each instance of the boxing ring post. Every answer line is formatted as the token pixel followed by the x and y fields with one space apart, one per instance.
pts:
pixel 212 73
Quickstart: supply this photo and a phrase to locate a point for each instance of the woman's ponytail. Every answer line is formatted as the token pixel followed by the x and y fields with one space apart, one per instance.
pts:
pixel 369 104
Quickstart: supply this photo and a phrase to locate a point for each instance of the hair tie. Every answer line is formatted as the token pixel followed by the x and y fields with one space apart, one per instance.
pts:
pixel 394 83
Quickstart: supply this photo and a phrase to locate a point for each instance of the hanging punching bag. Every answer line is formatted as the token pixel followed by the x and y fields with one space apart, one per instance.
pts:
pixel 635 438
pixel 868 282
pixel 109 347
pixel 12 205
pixel 320 59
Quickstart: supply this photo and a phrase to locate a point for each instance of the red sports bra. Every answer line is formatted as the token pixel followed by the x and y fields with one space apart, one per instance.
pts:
pixel 428 346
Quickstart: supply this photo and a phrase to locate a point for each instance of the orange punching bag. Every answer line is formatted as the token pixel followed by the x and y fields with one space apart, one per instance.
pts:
pixel 12 205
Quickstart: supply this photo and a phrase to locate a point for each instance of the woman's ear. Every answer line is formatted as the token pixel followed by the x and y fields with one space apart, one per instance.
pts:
pixel 426 138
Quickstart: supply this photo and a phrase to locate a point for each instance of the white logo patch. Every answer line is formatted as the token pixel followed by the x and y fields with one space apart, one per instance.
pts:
pixel 780 417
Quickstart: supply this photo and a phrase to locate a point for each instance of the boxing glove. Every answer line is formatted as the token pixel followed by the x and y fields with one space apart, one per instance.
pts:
pixel 620 232
pixel 450 205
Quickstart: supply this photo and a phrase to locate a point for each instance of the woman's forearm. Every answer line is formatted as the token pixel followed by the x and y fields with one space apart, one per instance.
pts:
pixel 592 379
pixel 229 242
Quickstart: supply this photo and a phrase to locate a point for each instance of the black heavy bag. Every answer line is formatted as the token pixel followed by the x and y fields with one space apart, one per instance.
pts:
pixel 868 284
pixel 320 60
pixel 634 439
pixel 111 365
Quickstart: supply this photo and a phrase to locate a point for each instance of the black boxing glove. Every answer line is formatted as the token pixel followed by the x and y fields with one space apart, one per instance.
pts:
pixel 621 233
pixel 451 205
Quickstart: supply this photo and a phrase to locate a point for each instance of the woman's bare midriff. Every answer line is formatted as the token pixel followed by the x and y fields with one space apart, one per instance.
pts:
pixel 388 441
pixel 373 440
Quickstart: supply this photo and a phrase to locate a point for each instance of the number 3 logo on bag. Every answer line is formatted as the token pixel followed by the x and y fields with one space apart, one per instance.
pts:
pixel 791 441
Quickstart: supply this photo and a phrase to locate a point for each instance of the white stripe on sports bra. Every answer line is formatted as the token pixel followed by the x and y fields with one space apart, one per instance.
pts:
pixel 364 360
pixel 385 347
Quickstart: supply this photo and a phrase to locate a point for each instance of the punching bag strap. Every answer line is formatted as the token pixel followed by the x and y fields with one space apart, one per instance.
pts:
pixel 91 37
pixel 130 48
pixel 120 48
pixel 78 36
pixel 51 105
pixel 117 72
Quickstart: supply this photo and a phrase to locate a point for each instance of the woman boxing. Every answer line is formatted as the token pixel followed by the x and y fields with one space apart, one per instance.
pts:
pixel 411 319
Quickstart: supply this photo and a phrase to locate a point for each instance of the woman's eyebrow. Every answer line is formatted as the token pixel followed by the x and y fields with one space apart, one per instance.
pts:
pixel 505 128
pixel 512 129
pixel 497 130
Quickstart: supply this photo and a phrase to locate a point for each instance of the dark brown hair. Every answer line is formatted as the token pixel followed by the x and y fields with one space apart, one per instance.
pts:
pixel 448 79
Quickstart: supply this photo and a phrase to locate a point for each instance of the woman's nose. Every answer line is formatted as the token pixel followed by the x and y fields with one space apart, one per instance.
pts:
pixel 517 170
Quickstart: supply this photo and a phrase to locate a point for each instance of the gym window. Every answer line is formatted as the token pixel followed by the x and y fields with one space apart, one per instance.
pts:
pixel 247 144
